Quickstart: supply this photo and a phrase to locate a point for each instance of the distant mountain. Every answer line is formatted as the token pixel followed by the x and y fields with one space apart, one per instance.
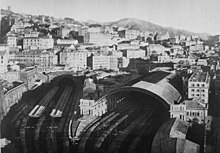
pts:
pixel 136 24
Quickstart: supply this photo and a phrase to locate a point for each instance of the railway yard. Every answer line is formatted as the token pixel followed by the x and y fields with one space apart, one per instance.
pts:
pixel 47 120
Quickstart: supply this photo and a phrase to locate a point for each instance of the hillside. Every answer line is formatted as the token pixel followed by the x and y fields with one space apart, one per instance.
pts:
pixel 142 25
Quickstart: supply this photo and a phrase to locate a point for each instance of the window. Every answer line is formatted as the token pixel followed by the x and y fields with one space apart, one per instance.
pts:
pixel 193 90
pixel 197 84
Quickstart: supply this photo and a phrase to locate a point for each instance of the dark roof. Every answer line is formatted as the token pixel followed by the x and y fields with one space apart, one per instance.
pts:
pixel 156 76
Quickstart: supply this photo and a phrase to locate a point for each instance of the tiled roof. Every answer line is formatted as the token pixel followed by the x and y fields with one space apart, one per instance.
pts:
pixel 193 104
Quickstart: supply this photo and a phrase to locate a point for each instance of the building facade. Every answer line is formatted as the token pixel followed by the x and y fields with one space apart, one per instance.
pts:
pixel 12 41
pixel 74 59
pixel 198 86
pixel 134 53
pixel 92 107
pixel 38 43
pixel 102 39
pixel 4 56
pixel 98 62
pixel 10 97
pixel 190 110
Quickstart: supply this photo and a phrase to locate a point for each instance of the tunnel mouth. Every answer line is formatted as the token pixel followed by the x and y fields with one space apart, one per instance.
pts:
pixel 64 81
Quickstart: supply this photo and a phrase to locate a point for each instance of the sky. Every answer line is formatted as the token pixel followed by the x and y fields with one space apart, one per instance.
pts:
pixel 192 15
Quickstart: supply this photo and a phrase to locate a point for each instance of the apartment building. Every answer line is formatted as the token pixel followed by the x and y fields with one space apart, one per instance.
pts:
pixel 129 34
pixel 63 32
pixel 198 87
pixel 12 41
pixel 102 39
pixel 41 58
pixel 4 56
pixel 134 53
pixel 74 59
pixel 38 42
pixel 98 62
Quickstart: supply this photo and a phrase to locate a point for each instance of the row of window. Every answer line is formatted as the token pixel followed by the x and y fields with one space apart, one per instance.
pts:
pixel 202 90
pixel 197 85
pixel 194 113
pixel 203 95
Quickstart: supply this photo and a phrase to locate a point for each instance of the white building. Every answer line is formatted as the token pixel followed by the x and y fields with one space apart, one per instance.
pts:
pixel 4 55
pixel 157 49
pixel 163 59
pixel 74 59
pixel 92 107
pixel 66 41
pixel 38 43
pixel 114 63
pixel 134 53
pixel 99 62
pixel 101 39
pixel 198 87
pixel 31 34
pixel 202 62
pixel 12 41
pixel 189 110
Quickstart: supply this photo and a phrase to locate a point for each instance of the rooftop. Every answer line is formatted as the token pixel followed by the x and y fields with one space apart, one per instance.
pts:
pixel 156 76
pixel 198 77
pixel 193 104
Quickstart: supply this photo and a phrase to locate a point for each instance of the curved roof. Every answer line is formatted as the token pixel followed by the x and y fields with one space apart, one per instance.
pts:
pixel 156 84
pixel 163 89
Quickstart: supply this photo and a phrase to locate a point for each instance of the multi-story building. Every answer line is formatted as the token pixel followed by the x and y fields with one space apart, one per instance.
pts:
pixel 4 55
pixel 203 62
pixel 92 107
pixel 41 58
pixel 198 87
pixel 10 96
pixel 63 32
pixel 29 58
pixel 129 34
pixel 66 42
pixel 123 62
pixel 28 76
pixel 31 34
pixel 46 61
pixel 38 43
pixel 196 47
pixel 102 39
pixel 114 63
pixel 134 53
pixel 12 41
pixel 74 59
pixel 156 49
pixel 12 76
pixel 189 110
pixel 98 62
pixel 216 38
